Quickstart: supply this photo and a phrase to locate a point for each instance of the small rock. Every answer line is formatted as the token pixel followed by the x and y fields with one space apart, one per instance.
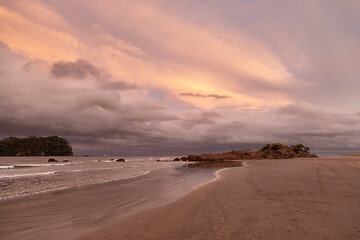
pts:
pixel 66 160
pixel 120 160
pixel 52 160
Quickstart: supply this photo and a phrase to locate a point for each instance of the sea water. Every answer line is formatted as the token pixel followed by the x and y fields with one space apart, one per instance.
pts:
pixel 22 176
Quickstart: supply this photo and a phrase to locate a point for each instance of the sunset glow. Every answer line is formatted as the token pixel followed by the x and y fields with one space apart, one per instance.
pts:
pixel 135 71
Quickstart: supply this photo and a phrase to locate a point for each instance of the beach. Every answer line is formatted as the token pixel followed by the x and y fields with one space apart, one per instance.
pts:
pixel 267 199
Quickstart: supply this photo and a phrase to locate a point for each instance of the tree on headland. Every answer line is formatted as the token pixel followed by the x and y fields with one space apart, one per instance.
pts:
pixel 35 146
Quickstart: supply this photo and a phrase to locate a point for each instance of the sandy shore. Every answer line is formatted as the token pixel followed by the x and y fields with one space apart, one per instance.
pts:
pixel 268 199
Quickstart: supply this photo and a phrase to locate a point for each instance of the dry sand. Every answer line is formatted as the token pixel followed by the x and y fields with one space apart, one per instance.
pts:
pixel 268 199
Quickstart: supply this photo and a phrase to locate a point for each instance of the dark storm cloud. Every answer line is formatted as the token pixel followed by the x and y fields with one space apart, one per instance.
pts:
pixel 217 97
pixel 32 105
pixel 79 69
pixel 82 69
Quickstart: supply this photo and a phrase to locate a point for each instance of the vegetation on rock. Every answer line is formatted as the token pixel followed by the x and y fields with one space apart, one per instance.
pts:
pixel 35 146
pixel 269 151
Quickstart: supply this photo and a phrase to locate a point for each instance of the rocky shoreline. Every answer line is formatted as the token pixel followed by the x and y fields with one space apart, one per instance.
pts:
pixel 269 151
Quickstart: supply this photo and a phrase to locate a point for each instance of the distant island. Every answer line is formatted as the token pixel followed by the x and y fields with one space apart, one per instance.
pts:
pixel 269 151
pixel 35 146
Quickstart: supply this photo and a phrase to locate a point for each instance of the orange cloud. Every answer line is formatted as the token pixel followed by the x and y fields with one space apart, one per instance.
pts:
pixel 35 40
pixel 206 60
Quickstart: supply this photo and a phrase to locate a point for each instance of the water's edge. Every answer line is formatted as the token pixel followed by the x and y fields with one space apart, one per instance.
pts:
pixel 70 213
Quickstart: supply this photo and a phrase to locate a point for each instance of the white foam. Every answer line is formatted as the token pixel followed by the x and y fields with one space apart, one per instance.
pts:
pixel 26 174
pixel 77 170
pixel 40 164
pixel 89 169
pixel 7 167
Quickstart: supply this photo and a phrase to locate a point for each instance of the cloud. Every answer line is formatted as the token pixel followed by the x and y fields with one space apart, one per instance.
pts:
pixel 166 51
pixel 94 99
pixel 290 70
pixel 301 110
pixel 79 69
pixel 191 119
pixel 118 85
pixel 36 31
pixel 217 97
pixel 33 105
pixel 264 60
pixel 100 120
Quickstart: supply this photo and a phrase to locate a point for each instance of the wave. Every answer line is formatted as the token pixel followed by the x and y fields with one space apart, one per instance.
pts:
pixel 27 165
pixel 88 169
pixel 7 167
pixel 26 174
pixel 52 172
pixel 40 164
pixel 138 174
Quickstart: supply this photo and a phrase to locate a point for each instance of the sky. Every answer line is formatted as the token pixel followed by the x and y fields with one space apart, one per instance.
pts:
pixel 178 77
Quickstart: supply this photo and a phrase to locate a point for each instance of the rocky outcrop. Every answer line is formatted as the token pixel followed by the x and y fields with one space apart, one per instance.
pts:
pixel 269 151
pixel 52 160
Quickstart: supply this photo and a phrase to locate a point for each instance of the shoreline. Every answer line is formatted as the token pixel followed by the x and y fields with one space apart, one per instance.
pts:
pixel 37 177
pixel 270 199
pixel 71 213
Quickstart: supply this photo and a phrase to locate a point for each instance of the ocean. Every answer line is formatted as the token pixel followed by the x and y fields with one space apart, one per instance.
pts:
pixel 21 176
pixel 64 200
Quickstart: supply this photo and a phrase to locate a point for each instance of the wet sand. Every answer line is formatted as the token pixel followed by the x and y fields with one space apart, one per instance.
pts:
pixel 268 199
